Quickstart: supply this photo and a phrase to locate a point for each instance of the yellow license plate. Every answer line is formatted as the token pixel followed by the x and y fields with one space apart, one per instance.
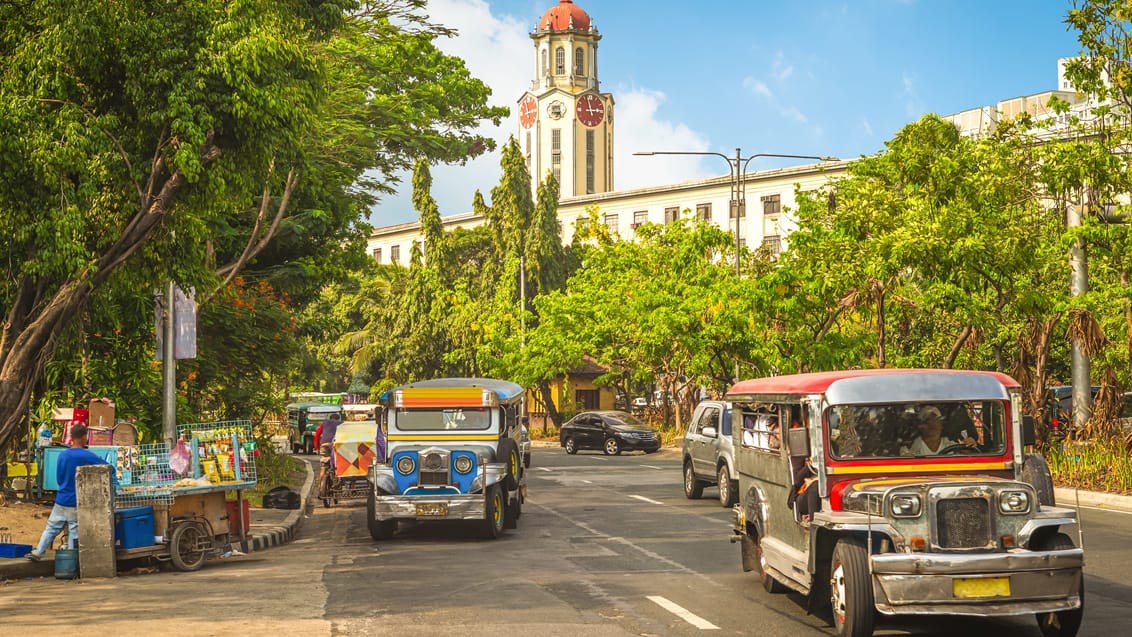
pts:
pixel 437 509
pixel 981 587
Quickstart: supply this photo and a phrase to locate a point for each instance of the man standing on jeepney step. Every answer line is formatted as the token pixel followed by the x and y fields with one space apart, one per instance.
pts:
pixel 65 511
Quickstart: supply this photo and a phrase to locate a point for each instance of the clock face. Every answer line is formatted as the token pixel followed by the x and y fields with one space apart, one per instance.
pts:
pixel 590 110
pixel 528 111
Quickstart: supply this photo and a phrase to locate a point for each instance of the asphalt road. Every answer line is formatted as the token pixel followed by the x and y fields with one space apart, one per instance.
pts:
pixel 605 546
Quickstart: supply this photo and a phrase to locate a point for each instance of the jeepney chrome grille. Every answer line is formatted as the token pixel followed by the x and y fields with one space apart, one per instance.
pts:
pixel 434 469
pixel 963 523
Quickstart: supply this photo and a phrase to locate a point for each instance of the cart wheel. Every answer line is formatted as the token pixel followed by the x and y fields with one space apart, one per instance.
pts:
pixel 188 546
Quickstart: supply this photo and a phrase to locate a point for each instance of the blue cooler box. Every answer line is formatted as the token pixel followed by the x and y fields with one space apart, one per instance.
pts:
pixel 133 528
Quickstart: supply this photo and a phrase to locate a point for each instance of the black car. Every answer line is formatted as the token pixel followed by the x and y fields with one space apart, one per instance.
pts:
pixel 610 431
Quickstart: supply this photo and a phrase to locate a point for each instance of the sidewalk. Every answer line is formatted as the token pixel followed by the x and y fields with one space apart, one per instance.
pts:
pixel 266 528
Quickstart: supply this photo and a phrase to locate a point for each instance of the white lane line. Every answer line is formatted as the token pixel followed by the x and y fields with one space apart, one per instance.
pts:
pixel 602 458
pixel 682 613
pixel 1093 508
pixel 649 466
pixel 587 481
pixel 644 499
pixel 547 469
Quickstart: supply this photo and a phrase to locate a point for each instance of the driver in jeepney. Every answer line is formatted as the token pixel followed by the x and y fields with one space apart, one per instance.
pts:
pixel 931 440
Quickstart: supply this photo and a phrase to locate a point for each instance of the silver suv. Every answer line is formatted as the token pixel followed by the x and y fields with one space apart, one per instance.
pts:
pixel 709 456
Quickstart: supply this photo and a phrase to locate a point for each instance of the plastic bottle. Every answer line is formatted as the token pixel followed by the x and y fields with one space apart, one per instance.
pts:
pixel 45 437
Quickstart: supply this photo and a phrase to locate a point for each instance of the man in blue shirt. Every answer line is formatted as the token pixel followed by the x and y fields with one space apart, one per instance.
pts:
pixel 64 513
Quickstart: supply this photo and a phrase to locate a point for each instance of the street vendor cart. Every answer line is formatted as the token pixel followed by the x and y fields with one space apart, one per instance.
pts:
pixel 176 511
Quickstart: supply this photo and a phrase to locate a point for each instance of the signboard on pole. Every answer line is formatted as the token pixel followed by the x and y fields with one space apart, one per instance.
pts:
pixel 184 325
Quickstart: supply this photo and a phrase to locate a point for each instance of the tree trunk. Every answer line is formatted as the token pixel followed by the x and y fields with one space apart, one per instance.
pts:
pixel 957 347
pixel 1127 318
pixel 881 358
pixel 551 409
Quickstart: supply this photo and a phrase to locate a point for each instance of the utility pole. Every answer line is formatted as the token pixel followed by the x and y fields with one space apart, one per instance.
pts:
pixel 1079 285
pixel 168 369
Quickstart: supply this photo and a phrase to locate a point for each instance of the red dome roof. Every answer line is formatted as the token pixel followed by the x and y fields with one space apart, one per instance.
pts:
pixel 564 16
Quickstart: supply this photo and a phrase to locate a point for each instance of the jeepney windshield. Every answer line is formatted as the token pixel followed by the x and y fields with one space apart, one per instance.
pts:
pixel 917 430
pixel 455 418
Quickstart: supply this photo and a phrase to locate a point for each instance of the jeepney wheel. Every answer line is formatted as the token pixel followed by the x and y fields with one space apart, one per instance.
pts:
pixel 1036 473
pixel 771 585
pixel 693 488
pixel 727 492
pixel 514 510
pixel 612 447
pixel 571 446
pixel 1063 623
pixel 188 546
pixel 494 512
pixel 509 452
pixel 308 446
pixel 378 529
pixel 851 593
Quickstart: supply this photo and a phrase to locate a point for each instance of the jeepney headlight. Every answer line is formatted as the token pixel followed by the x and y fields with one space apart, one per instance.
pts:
pixel 1014 502
pixel 405 465
pixel 463 464
pixel 906 505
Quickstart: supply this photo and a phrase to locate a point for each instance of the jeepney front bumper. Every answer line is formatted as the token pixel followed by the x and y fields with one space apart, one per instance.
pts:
pixel 430 507
pixel 1015 583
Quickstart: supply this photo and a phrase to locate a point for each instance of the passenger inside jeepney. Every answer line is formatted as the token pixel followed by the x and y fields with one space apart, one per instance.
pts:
pixel 910 429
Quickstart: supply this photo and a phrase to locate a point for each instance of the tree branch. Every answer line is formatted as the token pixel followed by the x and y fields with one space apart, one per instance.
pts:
pixel 256 245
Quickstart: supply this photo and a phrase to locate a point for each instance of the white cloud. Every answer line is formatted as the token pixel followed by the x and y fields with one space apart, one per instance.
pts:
pixel 866 126
pixel 781 70
pixel 758 87
pixel 639 129
pixel 484 41
pixel 913 105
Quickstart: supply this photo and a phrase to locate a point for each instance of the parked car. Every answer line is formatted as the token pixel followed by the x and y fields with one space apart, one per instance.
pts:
pixel 709 456
pixel 639 404
pixel 610 431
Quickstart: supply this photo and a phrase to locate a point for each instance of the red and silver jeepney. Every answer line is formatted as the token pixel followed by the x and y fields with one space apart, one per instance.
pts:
pixel 927 502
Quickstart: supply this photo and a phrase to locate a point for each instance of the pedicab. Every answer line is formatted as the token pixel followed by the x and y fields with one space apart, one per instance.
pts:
pixel 355 450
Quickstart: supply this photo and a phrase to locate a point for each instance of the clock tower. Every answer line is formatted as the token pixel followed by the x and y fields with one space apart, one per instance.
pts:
pixel 565 121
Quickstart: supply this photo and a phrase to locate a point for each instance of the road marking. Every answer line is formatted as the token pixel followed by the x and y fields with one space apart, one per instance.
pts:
pixel 602 458
pixel 544 469
pixel 650 466
pixel 682 613
pixel 644 499
pixel 1093 508
pixel 587 481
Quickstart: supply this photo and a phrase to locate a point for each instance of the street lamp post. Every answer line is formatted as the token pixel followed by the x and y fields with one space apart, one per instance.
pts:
pixel 737 170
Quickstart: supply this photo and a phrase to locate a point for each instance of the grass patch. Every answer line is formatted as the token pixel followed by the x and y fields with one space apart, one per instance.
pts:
pixel 1095 465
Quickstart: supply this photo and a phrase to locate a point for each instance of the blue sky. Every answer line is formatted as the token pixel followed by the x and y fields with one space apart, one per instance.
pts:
pixel 802 77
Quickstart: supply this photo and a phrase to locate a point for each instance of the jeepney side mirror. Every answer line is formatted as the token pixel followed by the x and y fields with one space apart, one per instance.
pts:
pixel 798 441
pixel 1028 435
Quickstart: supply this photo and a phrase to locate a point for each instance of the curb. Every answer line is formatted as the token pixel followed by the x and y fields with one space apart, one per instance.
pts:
pixel 285 532
pixel 1068 497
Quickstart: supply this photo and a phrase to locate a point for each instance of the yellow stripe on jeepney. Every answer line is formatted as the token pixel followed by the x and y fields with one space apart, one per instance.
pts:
pixel 442 397
pixel 919 468
pixel 444 437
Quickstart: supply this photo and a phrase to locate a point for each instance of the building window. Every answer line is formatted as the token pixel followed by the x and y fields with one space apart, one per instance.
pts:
pixel 742 242
pixel 611 222
pixel 703 212
pixel 589 161
pixel 395 254
pixel 772 205
pixel 639 217
pixel 773 245
pixel 671 214
pixel 742 210
pixel 556 153
pixel 579 61
pixel 377 254
pixel 560 61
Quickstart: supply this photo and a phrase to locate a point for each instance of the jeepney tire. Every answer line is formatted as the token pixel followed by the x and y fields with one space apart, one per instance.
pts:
pixel 308 445
pixel 378 529
pixel 1036 473
pixel 512 518
pixel 494 513
pixel 1063 623
pixel 570 445
pixel 184 545
pixel 770 585
pixel 693 487
pixel 851 592
pixel 728 489
pixel 527 460
pixel 508 452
